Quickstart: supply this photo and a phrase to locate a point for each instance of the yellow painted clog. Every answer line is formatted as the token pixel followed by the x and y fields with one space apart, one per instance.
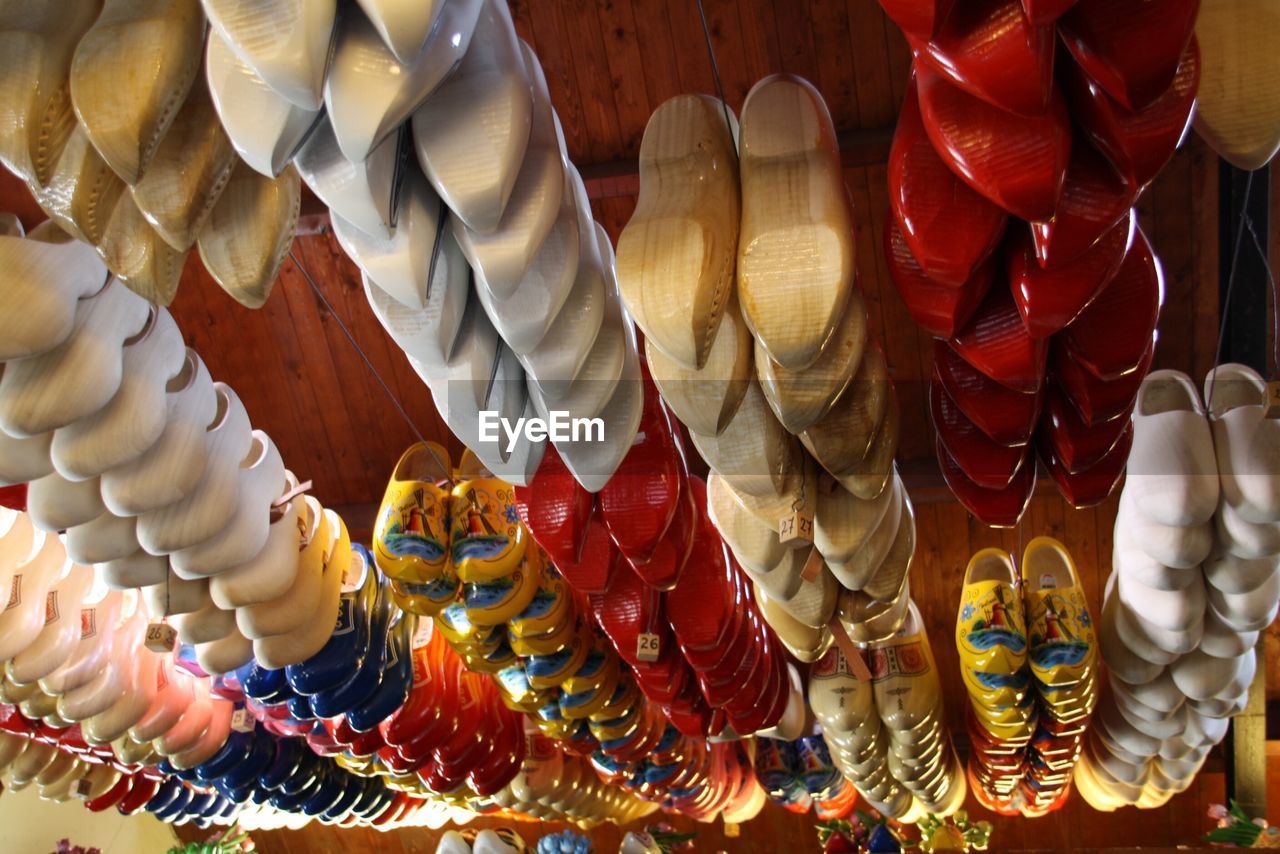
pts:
pixel 1063 649
pixel 411 535
pixel 487 539
pixel 490 603
pixel 991 628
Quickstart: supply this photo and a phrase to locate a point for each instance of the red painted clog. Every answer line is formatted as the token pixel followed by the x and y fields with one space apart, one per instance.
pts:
pixel 996 342
pixel 556 509
pixel 1076 445
pixel 990 49
pixel 1097 400
pixel 920 18
pixel 1094 198
pixel 1138 143
pixel 1113 333
pixel 941 310
pixel 986 463
pixel 1018 162
pixel 1092 485
pixel 1008 417
pixel 1131 48
pixel 998 508
pixel 1049 299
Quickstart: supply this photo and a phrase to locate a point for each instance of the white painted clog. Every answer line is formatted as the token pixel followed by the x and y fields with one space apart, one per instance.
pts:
pixel 360 193
pixel 286 42
pixel 1172 474
pixel 1246 442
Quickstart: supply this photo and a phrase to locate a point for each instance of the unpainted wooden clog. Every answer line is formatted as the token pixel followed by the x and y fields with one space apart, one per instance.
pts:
pixel 131 72
pixel 1236 110
pixel 754 453
pixel 42 283
pixel 55 503
pixel 270 573
pixel 139 256
pixel 249 231
pixel 795 250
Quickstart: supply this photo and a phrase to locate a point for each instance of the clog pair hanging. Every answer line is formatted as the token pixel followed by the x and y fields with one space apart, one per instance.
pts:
pixel 1028 661
pixel 1007 263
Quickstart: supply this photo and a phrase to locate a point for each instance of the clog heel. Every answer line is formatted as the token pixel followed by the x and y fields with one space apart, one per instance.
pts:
pixel 411 535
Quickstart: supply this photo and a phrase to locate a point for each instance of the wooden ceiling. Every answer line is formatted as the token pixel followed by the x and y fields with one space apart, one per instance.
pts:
pixel 609 63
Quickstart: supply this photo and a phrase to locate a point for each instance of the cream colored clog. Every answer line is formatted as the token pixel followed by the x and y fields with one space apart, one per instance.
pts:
pixel 1175 610
pixel 211 504
pixel 204 625
pixel 139 569
pixel 249 232
pixel 261 480
pixel 360 193
pixel 677 254
pixel 79 376
pixel 133 420
pixel 404 25
pixel 1247 612
pixel 270 573
pixel 801 398
pixel 856 439
pixel 705 399
pixel 525 314
pixel 1233 574
pixel 471 134
pixel 754 542
pixel 37 42
pixel 104 539
pixel 188 172
pixel 1237 108
pixel 888 578
pixel 1172 476
pixel 170 469
pixel 288 611
pixel 867 620
pixel 814 602
pixel 307 639
pixel 1222 641
pixel 131 71
pixel 369 93
pixel 1178 548
pixel 265 128
pixel 805 643
pixel 39 289
pixel 58 632
pixel 286 42
pixel 55 503
pixel 1242 538
pixel 116 721
pixel 504 255
pixel 174 595
pixel 98 616
pixel 796 249
pixel 24 460
pixel 401 264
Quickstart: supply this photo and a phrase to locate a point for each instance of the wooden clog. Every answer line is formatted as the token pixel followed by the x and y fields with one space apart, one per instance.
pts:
pixel 677 253
pixel 998 345
pixel 170 468
pixel 1024 172
pixel 801 398
pixel 360 193
pixel 81 192
pixel 139 256
pixel 857 437
pixel 857 569
pixel 1138 143
pixel 369 93
pixel 103 539
pixel 1244 442
pixel 985 462
pixel 133 420
pixel 795 250
pixel 156 47
pixel 1172 473
pixel 999 508
pixel 471 134
pixel 1094 198
pixel 42 282
pixel 249 232
pixel 403 24
pixel 1129 49
pixel 505 254
pixel 844 526
pixel 994 51
pixel 187 173
pixel 286 42
pixel 1236 110
pixel 754 452
pixel 79 376
pixel 264 127
pixel 301 564
pixel 297 646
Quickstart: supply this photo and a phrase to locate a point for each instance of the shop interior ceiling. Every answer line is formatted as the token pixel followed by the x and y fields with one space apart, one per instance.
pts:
pixel 609 64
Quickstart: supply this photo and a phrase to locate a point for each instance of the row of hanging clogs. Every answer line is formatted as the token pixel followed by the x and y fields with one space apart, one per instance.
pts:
pixel 479 253
pixel 152 469
pixel 1196 577
pixel 887 733
pixel 1028 659
pixel 773 391
pixel 76 655
pixel 557 786
pixel 116 134
pixel 1024 255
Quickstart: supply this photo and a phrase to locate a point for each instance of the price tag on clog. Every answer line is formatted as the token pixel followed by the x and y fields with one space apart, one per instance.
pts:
pixel 160 637
pixel 795 529
pixel 648 647
pixel 732 830
pixel 1273 399
pixel 241 720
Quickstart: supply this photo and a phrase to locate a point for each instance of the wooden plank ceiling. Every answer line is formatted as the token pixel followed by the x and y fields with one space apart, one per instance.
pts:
pixel 609 64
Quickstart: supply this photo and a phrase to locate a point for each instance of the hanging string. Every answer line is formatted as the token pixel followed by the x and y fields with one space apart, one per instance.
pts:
pixel 1275 303
pixel 1231 284
pixel 351 339
pixel 715 73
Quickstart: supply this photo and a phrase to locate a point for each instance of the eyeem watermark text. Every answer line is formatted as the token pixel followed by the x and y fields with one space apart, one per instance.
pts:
pixel 558 426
